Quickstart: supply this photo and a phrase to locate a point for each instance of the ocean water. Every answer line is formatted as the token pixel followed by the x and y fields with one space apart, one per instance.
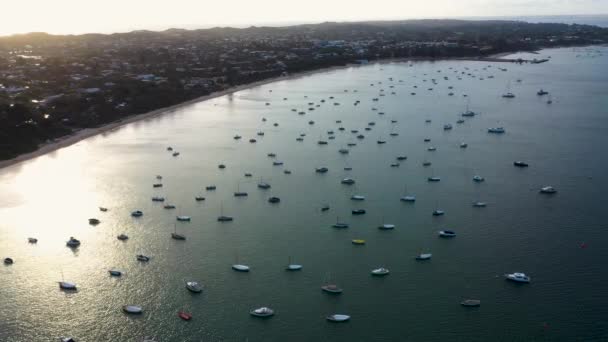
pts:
pixel 559 240
pixel 600 20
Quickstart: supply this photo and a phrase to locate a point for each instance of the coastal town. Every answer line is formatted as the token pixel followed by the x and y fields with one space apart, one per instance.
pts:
pixel 52 86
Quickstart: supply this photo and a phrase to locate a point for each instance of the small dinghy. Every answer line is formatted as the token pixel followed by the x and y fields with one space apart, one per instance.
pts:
pixel 262 312
pixel 132 309
pixel 338 318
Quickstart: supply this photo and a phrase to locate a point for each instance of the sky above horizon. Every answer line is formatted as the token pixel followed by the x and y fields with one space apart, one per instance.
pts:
pixel 78 16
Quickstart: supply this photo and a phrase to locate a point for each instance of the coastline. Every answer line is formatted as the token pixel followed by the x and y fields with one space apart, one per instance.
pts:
pixel 82 134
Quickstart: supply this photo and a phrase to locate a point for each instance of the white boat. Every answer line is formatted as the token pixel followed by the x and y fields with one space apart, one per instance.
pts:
pixel 348 181
pixel 471 303
pixel 194 286
pixel 547 190
pixel 67 339
pixel 380 271
pixel 263 185
pixel 424 256
pixel 518 277
pixel 292 267
pixel 66 285
pixel 479 204
pixel 338 318
pixel 438 212
pixel 132 309
pixel 408 198
pixel 331 288
pixel 262 312
pixel 386 226
pixel 240 268
pixel 73 242
pixel 357 197
pixel 447 233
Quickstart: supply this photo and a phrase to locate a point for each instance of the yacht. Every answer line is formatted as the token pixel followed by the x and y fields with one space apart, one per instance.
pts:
pixel 477 178
pixel 338 318
pixel 247 174
pixel 177 236
pixel 240 194
pixel 348 181
pixel 386 226
pixel 408 198
pixel 325 207
pixel 292 267
pixel 122 237
pixel 271 155
pixel 427 139
pixel 547 190
pixel 331 288
pixel 508 95
pixel 471 302
pixel 468 113
pixel 438 212
pixel 339 224
pixel 380 271
pixel 321 169
pixel 141 257
pixel 498 130
pixel 67 339
pixel 132 309
pixel 426 163
pixel 137 213
pixel 518 277
pixel 357 197
pixel 115 273
pixel 175 154
pixel 322 142
pixel 447 233
pixel 381 141
pixel 394 164
pixel 520 163
pixel 424 256
pixel 262 312
pixel 240 268
pixel 66 285
pixel 72 242
pixel 194 286
pixel 183 218
pixel 358 211
pixel 460 121
pixel 287 172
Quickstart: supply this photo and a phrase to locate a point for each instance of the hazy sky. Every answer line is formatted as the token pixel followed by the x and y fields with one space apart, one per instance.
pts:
pixel 77 16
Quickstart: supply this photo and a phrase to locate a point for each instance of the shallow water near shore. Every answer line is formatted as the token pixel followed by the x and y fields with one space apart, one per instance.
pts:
pixel 558 240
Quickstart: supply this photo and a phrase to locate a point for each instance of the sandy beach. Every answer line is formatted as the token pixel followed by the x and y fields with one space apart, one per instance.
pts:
pixel 79 135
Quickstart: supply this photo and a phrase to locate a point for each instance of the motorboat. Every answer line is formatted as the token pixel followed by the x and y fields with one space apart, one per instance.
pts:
pixel 348 181
pixel 287 172
pixel 240 268
pixel 194 286
pixel 132 309
pixel 247 174
pixel 331 288
pixel 447 233
pixel 183 218
pixel 424 256
pixel 426 163
pixel 222 166
pixel 137 213
pixel 358 242
pixel 518 277
pixel 343 151
pixel 547 190
pixel 122 237
pixel 141 257
pixel 358 211
pixel 520 163
pixel 497 130
pixel 338 318
pixel 357 197
pixel 325 208
pixel 115 273
pixel 252 140
pixel 380 271
pixel 73 242
pixel 479 204
pixel 274 200
pixel 471 303
pixel 395 164
pixel 386 226
pixel 438 212
pixel 478 178
pixel 401 158
pixel 262 312
pixel 427 139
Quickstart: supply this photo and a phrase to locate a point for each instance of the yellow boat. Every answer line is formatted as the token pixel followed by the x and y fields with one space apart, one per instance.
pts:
pixel 358 242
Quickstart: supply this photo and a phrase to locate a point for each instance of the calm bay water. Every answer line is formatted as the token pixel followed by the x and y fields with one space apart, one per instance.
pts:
pixel 52 197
